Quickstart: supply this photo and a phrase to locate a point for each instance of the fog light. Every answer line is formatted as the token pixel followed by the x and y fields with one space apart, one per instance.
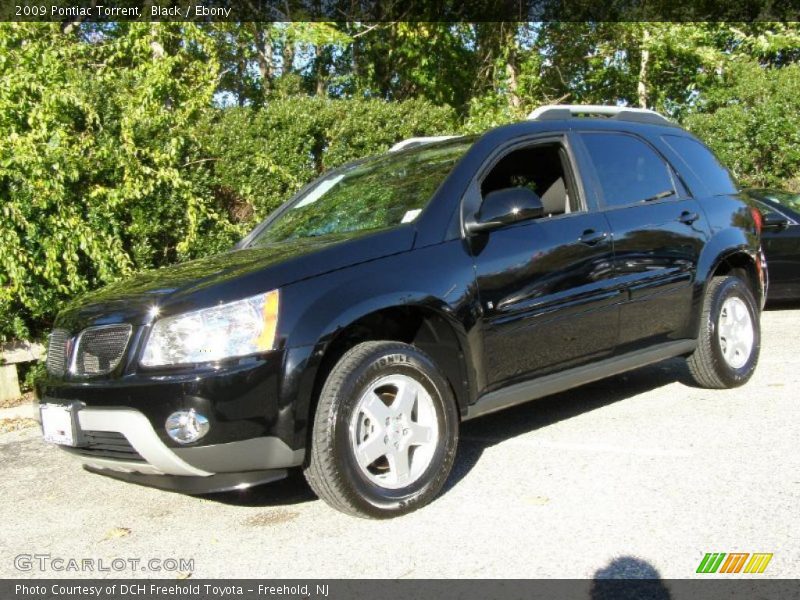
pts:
pixel 187 426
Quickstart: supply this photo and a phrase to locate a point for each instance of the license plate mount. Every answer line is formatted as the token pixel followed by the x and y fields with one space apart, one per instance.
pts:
pixel 60 424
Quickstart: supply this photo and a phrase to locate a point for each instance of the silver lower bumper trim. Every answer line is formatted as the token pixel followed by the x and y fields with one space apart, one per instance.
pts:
pixel 161 460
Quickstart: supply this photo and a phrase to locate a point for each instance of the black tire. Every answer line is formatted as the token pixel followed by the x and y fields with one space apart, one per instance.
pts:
pixel 707 364
pixel 333 471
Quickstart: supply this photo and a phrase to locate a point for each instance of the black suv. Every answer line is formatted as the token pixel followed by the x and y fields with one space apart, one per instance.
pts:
pixel 352 331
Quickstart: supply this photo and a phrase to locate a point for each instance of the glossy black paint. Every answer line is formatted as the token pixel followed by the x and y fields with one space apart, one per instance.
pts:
pixel 656 253
pixel 240 398
pixel 230 276
pixel 492 309
pixel 505 207
pixel 781 244
pixel 547 295
pixel 782 249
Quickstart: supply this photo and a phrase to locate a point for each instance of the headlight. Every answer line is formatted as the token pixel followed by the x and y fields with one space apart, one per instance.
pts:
pixel 235 329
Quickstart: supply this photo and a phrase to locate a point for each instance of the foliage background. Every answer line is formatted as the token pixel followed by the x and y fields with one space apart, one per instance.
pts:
pixel 135 145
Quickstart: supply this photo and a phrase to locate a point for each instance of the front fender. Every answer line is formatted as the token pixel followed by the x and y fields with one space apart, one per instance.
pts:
pixel 437 279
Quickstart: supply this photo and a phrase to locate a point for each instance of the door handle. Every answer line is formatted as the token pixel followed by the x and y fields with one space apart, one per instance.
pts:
pixel 687 217
pixel 590 237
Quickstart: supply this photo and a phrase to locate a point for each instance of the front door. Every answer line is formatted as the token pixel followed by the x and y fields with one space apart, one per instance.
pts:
pixel 545 285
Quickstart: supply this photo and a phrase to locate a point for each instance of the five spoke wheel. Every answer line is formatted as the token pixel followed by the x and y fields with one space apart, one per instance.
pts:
pixel 385 431
pixel 729 337
pixel 394 431
pixel 735 330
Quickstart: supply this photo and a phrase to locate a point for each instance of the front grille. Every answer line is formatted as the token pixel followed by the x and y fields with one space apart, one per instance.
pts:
pixel 106 444
pixel 99 349
pixel 57 352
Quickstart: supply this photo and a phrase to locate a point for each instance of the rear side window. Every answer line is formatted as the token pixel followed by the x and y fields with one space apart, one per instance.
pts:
pixel 628 170
pixel 702 163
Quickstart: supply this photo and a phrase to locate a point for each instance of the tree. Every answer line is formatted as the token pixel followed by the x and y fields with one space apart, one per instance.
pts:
pixel 99 169
pixel 261 157
pixel 254 57
pixel 749 120
pixel 134 145
pixel 657 65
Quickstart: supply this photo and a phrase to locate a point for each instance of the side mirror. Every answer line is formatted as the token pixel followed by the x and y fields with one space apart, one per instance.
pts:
pixel 773 221
pixel 506 206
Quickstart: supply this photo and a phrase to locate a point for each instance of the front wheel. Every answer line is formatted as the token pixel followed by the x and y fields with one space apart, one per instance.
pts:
pixel 385 432
pixel 730 335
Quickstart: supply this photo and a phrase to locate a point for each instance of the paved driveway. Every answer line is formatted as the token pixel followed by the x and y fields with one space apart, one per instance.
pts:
pixel 639 474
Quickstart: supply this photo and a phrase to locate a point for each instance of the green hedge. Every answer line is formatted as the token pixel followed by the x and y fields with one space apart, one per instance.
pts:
pixel 260 157
pixel 751 122
pixel 113 160
pixel 98 171
pixel 130 168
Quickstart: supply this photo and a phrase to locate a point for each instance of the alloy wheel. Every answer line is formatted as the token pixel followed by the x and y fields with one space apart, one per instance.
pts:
pixel 394 431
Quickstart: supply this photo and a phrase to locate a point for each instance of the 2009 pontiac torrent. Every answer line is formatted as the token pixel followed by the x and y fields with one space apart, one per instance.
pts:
pixel 355 328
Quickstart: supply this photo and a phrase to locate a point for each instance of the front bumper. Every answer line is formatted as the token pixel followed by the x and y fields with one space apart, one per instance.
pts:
pixel 136 454
pixel 221 482
pixel 121 431
pixel 151 455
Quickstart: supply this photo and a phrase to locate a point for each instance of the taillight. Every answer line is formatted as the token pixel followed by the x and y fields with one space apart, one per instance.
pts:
pixel 757 219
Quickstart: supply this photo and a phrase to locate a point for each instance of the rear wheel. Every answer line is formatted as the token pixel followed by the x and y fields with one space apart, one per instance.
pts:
pixel 385 432
pixel 730 336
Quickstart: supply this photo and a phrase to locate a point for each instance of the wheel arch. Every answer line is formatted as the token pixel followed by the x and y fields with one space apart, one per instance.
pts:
pixel 425 326
pixel 731 251
pixel 741 264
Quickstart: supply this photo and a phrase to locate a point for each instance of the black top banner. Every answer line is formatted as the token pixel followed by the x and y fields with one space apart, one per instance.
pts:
pixel 398 10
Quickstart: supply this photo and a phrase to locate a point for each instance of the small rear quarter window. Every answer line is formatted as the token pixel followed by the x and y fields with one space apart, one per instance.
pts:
pixel 702 163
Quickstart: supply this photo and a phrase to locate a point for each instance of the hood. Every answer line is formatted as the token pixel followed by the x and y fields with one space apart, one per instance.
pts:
pixel 229 276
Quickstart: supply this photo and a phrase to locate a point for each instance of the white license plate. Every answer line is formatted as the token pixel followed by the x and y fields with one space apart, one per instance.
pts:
pixel 58 425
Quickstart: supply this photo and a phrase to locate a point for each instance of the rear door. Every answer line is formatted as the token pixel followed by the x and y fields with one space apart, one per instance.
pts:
pixel 545 285
pixel 659 231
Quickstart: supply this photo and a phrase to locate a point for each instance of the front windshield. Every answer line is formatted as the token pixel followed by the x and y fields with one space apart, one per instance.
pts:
pixel 380 192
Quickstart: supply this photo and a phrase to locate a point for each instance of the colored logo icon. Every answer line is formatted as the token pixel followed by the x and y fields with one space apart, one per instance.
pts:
pixel 736 562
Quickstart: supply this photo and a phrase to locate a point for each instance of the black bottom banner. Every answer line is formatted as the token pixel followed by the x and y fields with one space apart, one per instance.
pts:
pixel 380 589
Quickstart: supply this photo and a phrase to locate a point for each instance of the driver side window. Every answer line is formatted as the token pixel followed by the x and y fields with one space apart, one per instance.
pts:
pixel 541 169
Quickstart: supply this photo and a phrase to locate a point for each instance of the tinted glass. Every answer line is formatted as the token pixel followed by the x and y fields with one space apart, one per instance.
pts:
pixel 784 200
pixel 381 192
pixel 628 170
pixel 703 164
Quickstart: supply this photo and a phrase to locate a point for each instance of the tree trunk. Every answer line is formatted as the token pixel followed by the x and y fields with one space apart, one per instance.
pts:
pixel 641 86
pixel 155 45
pixel 356 61
pixel 508 35
pixel 288 56
pixel 497 60
pixel 319 70
pixel 263 56
pixel 513 95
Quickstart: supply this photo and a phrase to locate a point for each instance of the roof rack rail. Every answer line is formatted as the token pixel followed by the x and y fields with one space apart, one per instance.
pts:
pixel 419 141
pixel 622 113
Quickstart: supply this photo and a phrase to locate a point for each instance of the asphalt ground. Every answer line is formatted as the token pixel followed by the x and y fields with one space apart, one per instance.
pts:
pixel 638 475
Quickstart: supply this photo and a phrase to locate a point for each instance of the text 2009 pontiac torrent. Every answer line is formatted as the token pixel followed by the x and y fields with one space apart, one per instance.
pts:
pixel 352 331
